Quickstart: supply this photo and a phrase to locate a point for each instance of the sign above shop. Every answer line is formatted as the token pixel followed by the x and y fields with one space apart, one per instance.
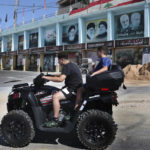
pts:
pixel 132 42
pixel 23 52
pixel 53 48
pixel 97 44
pixel 36 50
pixel 74 47
pixel 12 53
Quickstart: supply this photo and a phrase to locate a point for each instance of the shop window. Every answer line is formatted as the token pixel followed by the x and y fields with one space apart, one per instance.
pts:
pixel 124 57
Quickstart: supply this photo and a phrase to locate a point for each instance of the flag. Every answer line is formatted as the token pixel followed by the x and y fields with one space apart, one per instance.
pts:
pixel 23 12
pixel 6 18
pixel 33 9
pixel 44 4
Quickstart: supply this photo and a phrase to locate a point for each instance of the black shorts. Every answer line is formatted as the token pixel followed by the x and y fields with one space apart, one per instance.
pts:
pixel 68 93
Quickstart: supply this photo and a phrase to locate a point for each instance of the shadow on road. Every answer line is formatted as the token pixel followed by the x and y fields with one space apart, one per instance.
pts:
pixel 70 140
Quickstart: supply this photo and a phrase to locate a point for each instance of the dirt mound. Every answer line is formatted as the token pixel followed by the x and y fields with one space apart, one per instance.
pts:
pixel 137 72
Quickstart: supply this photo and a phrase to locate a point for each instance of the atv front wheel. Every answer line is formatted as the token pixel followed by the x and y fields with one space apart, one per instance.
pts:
pixel 96 129
pixel 17 128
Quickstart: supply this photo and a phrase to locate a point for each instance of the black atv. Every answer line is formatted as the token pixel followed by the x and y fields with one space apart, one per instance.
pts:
pixel 30 106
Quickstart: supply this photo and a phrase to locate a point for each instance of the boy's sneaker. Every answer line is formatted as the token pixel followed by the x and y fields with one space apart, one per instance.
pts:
pixel 52 123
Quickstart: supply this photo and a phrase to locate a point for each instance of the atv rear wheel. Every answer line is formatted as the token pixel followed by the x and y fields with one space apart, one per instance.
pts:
pixel 17 128
pixel 96 129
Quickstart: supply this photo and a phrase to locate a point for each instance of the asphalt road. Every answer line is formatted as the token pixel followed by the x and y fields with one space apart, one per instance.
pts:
pixel 132 117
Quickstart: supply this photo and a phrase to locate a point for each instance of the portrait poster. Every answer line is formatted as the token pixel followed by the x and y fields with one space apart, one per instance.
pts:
pixel 70 34
pixel 9 43
pixel 50 36
pixel 33 40
pixel 123 57
pixel 96 30
pixel 129 25
pixel 20 42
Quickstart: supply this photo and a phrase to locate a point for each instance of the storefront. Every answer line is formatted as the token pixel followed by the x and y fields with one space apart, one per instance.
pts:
pixel 75 52
pixel 91 50
pixel 51 58
pixel 130 51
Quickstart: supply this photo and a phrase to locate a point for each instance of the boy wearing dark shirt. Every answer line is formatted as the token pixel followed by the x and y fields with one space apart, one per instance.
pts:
pixel 73 80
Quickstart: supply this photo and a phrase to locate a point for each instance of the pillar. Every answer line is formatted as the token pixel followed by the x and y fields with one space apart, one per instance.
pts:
pixel 146 21
pixel 58 34
pixel 40 62
pixel 110 26
pixel 3 62
pixel 13 62
pixel 26 62
pixel 82 30
pixel 26 40
pixel 41 37
pixel 14 42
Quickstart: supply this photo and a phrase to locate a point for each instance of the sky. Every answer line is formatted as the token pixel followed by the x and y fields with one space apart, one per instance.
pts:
pixel 8 7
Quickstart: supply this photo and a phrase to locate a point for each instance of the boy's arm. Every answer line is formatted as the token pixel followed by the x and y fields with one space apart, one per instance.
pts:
pixel 61 78
pixel 100 71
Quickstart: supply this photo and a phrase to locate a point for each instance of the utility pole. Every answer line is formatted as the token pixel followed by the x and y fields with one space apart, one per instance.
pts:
pixel 15 13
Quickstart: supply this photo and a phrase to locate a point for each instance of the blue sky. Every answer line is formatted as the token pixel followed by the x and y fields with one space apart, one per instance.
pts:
pixel 28 13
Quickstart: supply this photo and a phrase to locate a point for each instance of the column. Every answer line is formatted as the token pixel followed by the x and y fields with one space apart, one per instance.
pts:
pixel 40 37
pixel 58 34
pixel 13 62
pixel 26 62
pixel 3 62
pixel 82 30
pixel 146 21
pixel 110 26
pixel 40 62
pixel 4 44
pixel 14 42
pixel 26 40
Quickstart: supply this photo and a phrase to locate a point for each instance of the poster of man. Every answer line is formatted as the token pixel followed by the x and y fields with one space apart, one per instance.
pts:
pixel 130 25
pixel 50 37
pixel 33 42
pixel 9 43
pixel 96 30
pixel 70 34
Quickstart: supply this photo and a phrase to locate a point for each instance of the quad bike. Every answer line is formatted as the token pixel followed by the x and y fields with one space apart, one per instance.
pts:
pixel 30 106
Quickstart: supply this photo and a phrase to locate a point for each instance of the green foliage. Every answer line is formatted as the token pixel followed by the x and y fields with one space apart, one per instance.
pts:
pixel 108 5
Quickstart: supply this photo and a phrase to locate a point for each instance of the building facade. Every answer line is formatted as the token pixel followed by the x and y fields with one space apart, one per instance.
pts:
pixel 125 30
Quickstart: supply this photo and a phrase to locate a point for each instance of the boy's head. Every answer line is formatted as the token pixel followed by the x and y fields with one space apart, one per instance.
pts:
pixel 101 51
pixel 62 57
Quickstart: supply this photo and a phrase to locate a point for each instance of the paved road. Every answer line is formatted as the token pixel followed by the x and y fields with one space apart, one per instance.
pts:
pixel 132 117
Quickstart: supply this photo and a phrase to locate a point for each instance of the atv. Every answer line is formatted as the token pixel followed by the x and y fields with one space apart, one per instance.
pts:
pixel 30 106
